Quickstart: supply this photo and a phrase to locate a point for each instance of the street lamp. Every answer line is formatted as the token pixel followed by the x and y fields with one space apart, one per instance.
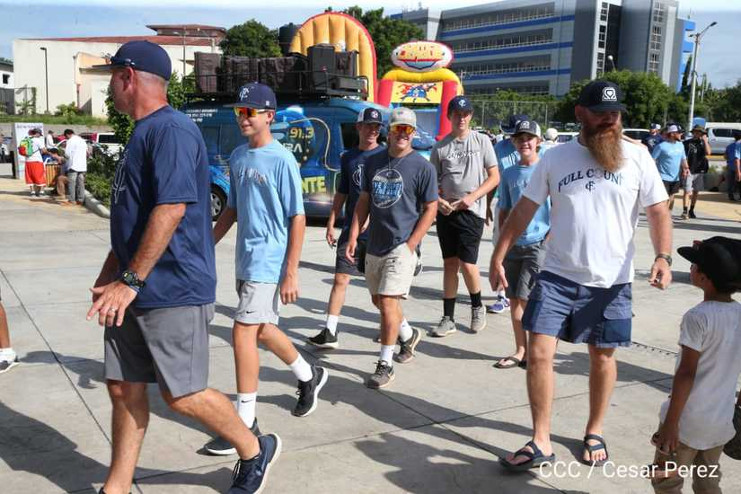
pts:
pixel 693 74
pixel 46 75
pixel 612 62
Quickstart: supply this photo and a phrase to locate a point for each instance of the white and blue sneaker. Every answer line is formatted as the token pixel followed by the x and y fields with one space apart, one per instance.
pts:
pixel 501 304
pixel 250 475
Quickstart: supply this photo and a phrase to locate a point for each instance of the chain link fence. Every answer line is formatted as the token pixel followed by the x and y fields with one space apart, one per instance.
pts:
pixel 490 114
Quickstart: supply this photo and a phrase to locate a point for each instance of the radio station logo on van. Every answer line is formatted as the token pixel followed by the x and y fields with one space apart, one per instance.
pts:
pixel 387 188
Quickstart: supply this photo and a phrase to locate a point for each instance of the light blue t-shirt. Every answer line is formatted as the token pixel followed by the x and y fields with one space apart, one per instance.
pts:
pixel 512 184
pixel 265 189
pixel 668 157
pixel 733 153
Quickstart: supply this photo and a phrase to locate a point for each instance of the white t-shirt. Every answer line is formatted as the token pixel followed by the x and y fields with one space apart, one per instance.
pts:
pixel 594 212
pixel 49 141
pixel 714 330
pixel 38 145
pixel 76 152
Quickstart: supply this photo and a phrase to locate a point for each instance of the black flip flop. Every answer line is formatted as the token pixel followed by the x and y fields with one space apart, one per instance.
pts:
pixel 592 448
pixel 514 362
pixel 535 459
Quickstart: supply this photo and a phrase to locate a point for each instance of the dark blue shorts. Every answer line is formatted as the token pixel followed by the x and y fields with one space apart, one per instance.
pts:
pixel 579 314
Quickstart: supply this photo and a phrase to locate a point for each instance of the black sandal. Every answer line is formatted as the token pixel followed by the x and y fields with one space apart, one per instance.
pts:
pixel 535 458
pixel 513 362
pixel 592 448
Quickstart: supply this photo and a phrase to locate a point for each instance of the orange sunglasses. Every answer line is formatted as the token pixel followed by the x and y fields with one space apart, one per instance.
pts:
pixel 242 111
pixel 403 129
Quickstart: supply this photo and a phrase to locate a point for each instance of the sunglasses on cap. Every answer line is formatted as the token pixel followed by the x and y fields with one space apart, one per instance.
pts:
pixel 243 111
pixel 403 129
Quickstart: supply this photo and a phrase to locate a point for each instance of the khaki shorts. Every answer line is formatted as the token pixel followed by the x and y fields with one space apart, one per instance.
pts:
pixel 391 274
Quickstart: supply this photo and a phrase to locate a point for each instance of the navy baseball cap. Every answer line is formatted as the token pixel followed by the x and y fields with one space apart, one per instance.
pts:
pixel 509 127
pixel 370 115
pixel 527 127
pixel 257 96
pixel 141 55
pixel 601 96
pixel 460 103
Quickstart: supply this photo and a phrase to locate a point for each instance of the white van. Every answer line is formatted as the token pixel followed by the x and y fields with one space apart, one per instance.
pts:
pixel 720 135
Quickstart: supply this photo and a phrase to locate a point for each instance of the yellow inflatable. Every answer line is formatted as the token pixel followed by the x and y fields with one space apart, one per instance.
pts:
pixel 344 32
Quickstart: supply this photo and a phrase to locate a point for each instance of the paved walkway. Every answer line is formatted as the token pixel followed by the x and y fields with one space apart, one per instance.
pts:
pixel 439 428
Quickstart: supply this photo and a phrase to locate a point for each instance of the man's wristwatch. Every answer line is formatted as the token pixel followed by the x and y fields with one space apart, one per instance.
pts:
pixel 131 279
pixel 665 257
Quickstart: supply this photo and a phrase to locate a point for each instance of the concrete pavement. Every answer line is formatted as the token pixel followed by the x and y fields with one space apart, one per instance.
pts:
pixel 439 428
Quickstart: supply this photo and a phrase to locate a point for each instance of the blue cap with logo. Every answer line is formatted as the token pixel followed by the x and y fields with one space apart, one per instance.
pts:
pixel 257 96
pixel 461 103
pixel 527 127
pixel 143 56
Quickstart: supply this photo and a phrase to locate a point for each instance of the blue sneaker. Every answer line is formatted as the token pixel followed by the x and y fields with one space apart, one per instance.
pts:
pixel 250 475
pixel 499 306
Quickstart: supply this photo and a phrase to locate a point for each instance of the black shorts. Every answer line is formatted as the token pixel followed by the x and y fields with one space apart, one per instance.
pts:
pixel 671 187
pixel 459 235
pixel 342 264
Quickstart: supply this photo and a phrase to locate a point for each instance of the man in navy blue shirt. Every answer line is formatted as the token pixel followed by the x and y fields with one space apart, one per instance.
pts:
pixel 352 163
pixel 156 290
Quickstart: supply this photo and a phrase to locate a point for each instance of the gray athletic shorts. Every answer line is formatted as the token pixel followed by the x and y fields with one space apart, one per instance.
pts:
pixel 259 303
pixel 168 346
pixel 694 181
pixel 521 266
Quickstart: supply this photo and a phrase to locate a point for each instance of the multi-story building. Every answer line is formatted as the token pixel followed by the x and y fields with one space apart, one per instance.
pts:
pixel 542 46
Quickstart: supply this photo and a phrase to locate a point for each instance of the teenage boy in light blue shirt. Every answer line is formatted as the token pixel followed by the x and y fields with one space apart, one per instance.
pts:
pixel 671 160
pixel 733 158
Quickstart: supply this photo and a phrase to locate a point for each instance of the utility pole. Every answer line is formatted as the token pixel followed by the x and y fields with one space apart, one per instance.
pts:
pixel 693 74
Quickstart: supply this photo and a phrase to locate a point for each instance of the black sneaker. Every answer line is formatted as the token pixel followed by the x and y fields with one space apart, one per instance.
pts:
pixel 250 475
pixel 692 214
pixel 325 339
pixel 406 352
pixel 221 447
pixel 382 377
pixel 308 391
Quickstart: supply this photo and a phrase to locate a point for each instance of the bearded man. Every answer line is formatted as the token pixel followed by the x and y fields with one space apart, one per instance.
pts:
pixel 583 294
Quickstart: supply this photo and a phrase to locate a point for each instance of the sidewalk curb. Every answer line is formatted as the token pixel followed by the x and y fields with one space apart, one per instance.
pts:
pixel 95 206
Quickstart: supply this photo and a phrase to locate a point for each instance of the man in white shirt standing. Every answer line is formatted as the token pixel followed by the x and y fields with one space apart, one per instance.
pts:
pixel 583 294
pixel 77 153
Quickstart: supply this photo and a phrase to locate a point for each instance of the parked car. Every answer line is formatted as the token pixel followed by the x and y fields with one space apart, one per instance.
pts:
pixel 317 132
pixel 106 142
pixel 637 134
pixel 720 135
pixel 566 136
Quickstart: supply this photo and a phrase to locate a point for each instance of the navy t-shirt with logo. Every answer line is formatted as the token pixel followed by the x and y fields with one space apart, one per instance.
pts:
pixel 352 163
pixel 165 162
pixel 398 189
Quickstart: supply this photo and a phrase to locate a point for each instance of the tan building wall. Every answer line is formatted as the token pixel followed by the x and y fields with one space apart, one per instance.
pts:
pixel 68 81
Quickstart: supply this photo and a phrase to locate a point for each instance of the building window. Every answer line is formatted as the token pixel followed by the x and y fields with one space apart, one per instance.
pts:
pixel 6 78
pixel 603 12
pixel 523 14
pixel 602 36
pixel 653 62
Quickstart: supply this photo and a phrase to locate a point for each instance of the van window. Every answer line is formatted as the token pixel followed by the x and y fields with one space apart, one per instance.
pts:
pixel 229 138
pixel 211 136
pixel 720 132
pixel 350 137
pixel 307 138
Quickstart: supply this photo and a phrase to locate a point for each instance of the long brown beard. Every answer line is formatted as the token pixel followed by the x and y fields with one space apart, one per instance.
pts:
pixel 605 145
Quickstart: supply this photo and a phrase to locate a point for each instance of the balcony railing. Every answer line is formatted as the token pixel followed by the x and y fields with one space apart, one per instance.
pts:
pixel 484 23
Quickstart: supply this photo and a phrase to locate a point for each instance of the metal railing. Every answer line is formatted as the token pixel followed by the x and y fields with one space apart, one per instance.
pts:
pixel 482 23
pixel 502 46
pixel 465 73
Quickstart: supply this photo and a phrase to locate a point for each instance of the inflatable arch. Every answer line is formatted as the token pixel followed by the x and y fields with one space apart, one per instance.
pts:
pixel 344 32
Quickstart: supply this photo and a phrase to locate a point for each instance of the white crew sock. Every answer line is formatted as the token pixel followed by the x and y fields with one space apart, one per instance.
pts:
pixel 387 354
pixel 501 294
pixel 301 369
pixel 331 323
pixel 7 353
pixel 246 403
pixel 405 330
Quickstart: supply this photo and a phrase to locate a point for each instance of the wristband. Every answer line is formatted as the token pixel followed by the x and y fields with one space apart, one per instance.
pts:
pixel 665 257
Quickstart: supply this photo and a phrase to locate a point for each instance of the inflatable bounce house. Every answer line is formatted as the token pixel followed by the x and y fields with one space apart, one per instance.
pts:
pixel 421 82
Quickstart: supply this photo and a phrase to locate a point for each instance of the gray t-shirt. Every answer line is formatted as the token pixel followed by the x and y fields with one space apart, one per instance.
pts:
pixel 398 189
pixel 462 167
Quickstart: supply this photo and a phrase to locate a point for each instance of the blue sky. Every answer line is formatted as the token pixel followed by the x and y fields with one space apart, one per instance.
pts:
pixel 718 55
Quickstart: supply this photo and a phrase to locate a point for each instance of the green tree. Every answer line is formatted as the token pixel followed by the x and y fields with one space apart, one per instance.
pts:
pixel 647 99
pixel 386 33
pixel 251 39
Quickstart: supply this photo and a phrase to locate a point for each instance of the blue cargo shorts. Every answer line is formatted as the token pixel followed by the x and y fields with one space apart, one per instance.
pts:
pixel 579 314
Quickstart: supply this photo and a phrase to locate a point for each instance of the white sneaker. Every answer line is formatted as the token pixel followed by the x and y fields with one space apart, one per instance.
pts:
pixel 8 361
